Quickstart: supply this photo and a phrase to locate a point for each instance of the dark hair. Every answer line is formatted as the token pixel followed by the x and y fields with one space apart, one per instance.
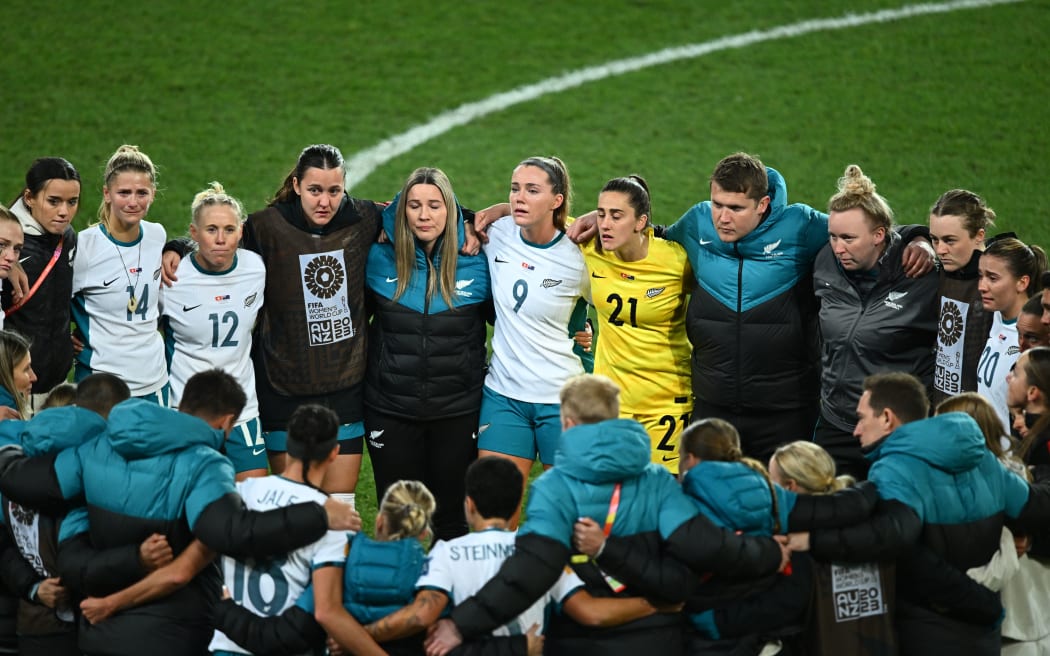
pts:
pixel 1034 305
pixel 211 394
pixel 974 211
pixel 718 440
pixel 318 156
pixel 741 173
pixel 1020 259
pixel 100 392
pixel 48 168
pixel 637 192
pixel 494 484
pixel 558 174
pixel 1037 374
pixel 1045 282
pixel 313 431
pixel 902 393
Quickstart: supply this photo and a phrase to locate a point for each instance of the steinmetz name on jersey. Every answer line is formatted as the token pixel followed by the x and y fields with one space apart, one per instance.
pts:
pixel 268 588
pixel 642 342
pixel 208 319
pixel 539 291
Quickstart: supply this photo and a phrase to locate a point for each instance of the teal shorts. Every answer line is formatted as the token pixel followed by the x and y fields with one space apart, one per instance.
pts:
pixel 351 439
pixel 519 428
pixel 246 448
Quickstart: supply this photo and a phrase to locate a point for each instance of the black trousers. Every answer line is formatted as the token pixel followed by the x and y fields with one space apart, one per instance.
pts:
pixel 436 452
pixel 57 644
pixel 843 448
pixel 762 431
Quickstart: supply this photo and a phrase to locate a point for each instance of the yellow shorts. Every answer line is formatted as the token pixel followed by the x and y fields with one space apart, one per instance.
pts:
pixel 664 429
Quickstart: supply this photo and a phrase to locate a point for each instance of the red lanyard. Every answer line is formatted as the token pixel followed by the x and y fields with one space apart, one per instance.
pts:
pixel 39 281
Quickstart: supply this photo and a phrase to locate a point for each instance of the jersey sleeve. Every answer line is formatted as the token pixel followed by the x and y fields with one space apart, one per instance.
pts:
pixel 437 572
pixel 331 550
pixel 566 585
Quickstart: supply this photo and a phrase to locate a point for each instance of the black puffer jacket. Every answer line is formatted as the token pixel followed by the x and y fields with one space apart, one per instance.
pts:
pixel 44 319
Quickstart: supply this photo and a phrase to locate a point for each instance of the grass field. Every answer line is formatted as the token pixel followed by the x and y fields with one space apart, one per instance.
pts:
pixel 233 91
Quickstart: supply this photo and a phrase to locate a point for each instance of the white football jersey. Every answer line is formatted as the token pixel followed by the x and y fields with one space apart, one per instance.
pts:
pixel 207 322
pixel 538 290
pixel 999 355
pixel 116 289
pixel 269 588
pixel 462 566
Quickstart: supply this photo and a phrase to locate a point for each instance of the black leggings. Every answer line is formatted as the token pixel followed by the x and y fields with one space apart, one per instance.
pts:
pixel 762 431
pixel 436 452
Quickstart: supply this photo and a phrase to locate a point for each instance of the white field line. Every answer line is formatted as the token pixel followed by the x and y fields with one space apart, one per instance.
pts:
pixel 364 163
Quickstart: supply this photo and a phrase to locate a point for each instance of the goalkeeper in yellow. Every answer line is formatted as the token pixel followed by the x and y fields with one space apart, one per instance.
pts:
pixel 639 286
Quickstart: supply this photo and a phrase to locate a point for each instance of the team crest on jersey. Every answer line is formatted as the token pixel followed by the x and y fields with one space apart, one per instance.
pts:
pixel 251 299
pixel 771 249
pixel 549 282
pixel 654 291
pixel 527 266
pixel 626 276
pixel 156 274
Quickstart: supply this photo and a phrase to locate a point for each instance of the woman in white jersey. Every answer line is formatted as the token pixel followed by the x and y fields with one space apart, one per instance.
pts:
pixel 539 286
pixel 271 587
pixel 1009 274
pixel 207 317
pixel 116 281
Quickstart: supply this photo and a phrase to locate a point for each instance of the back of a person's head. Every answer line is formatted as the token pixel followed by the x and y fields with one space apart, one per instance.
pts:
pixel 313 431
pixel 494 484
pixel 211 394
pixel 60 396
pixel 810 467
pixel 99 392
pixel 902 393
pixel 982 411
pixel 590 398
pixel 711 439
pixel 406 509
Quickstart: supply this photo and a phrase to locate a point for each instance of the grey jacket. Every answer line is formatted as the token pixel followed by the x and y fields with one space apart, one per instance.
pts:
pixel 891 328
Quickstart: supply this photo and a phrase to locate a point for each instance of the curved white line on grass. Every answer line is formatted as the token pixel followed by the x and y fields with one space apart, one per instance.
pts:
pixel 363 163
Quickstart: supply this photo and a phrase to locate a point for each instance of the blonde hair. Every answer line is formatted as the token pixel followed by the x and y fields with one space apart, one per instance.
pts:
pixel 13 349
pixel 810 467
pixel 407 508
pixel 405 242
pixel 127 158
pixel 718 440
pixel 590 398
pixel 61 395
pixel 857 190
pixel 214 195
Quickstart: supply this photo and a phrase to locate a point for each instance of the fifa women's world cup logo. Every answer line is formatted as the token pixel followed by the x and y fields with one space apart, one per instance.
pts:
pixel 328 317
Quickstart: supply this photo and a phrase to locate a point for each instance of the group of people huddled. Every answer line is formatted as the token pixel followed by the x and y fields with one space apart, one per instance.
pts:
pixel 787 431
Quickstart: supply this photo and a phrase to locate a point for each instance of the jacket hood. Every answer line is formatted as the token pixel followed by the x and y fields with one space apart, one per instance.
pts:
pixel 390 220
pixel 607 452
pixel 29 225
pixel 777 192
pixel 731 495
pixel 141 429
pixel 56 429
pixel 952 442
